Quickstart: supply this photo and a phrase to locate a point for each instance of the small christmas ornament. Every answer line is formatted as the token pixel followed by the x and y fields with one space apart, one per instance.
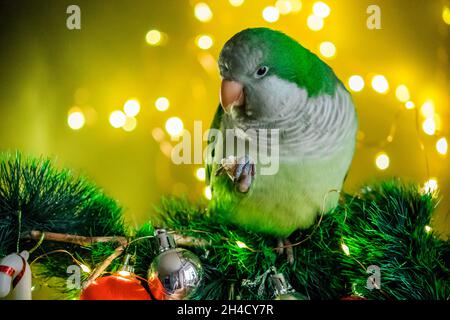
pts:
pixel 15 277
pixel 121 286
pixel 175 272
pixel 282 288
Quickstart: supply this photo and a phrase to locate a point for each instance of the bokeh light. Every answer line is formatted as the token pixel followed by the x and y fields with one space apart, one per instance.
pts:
pixel 315 23
pixel 203 12
pixel 132 107
pixel 117 119
pixel 174 126
pixel 76 119
pixel 446 15
pixel 153 37
pixel 158 134
pixel 382 161
pixel 410 105
pixel 207 192
pixel 271 14
pixel 427 109
pixel 402 93
pixel 430 186
pixel 321 9
pixel 428 229
pixel 327 49
pixel 380 84
pixel 442 146
pixel 429 126
pixel 284 6
pixel 296 5
pixel 236 3
pixel 130 124
pixel 162 104
pixel 204 42
pixel 200 174
pixel 356 83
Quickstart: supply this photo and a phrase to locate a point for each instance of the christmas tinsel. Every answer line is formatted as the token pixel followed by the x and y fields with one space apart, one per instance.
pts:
pixel 384 225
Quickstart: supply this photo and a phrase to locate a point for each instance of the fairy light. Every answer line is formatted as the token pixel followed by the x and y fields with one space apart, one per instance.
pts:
pixel 153 37
pixel 85 268
pixel 382 161
pixel 236 3
pixel 427 110
pixel 202 12
pixel 430 186
pixel 356 83
pixel 429 126
pixel 124 273
pixel 321 9
pixel 315 23
pixel 132 107
pixel 76 119
pixel 207 192
pixel 442 146
pixel 284 6
pixel 174 126
pixel 327 49
pixel 446 15
pixel 117 119
pixel 410 105
pixel 130 124
pixel 241 244
pixel 380 84
pixel 204 42
pixel 271 14
pixel 402 93
pixel 428 229
pixel 200 174
pixel 162 104
pixel 345 249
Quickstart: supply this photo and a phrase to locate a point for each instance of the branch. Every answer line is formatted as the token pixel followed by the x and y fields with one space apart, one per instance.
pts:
pixel 75 239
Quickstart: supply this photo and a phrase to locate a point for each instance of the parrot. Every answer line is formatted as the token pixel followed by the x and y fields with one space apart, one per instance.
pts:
pixel 270 81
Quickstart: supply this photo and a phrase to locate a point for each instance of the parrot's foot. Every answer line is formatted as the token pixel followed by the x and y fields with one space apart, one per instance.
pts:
pixel 285 245
pixel 241 171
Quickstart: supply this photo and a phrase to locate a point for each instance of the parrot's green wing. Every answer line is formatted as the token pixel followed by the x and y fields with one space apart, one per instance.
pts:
pixel 214 125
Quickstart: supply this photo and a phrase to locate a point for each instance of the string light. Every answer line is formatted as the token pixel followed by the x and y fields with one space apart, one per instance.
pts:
pixel 236 3
pixel 321 9
pixel 241 244
pixel 428 229
pixel 402 93
pixel 345 249
pixel 430 186
pixel 202 12
pixel 132 107
pixel 85 268
pixel 410 105
pixel 314 22
pixel 117 119
pixel 356 83
pixel 130 124
pixel 382 161
pixel 153 37
pixel 380 84
pixel 284 6
pixel 207 193
pixel 204 42
pixel 174 126
pixel 446 15
pixel 200 174
pixel 327 49
pixel 429 126
pixel 271 14
pixel 427 109
pixel 76 119
pixel 442 146
pixel 162 104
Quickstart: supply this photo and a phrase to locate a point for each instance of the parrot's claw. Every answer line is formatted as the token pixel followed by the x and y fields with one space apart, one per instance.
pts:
pixel 241 171
pixel 285 244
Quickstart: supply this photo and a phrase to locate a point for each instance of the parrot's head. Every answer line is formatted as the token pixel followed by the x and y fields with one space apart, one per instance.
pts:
pixel 261 69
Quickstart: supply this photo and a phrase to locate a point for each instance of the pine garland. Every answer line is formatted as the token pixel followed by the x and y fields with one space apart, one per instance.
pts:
pixel 384 225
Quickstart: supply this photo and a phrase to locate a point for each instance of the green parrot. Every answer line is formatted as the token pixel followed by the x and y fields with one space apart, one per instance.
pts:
pixel 270 81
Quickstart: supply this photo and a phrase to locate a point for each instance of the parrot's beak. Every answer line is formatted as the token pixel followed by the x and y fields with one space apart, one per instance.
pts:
pixel 231 95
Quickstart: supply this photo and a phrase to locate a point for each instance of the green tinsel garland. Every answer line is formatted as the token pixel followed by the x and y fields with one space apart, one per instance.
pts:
pixel 383 225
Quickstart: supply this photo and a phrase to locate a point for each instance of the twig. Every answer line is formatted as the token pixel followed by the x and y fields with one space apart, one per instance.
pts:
pixel 75 239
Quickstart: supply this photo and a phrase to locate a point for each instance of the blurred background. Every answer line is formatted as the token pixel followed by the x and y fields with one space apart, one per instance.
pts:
pixel 105 100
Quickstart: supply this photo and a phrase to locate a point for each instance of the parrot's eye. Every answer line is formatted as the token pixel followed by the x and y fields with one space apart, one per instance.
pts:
pixel 261 72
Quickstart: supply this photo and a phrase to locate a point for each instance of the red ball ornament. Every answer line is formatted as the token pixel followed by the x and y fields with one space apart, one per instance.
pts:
pixel 115 288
